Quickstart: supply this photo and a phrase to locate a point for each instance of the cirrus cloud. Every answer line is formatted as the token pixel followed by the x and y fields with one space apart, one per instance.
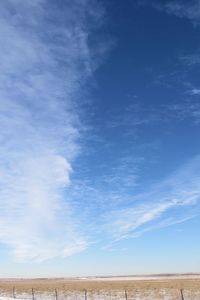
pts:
pixel 45 59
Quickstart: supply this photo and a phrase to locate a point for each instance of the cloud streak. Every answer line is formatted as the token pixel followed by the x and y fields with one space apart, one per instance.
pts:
pixel 174 200
pixel 45 58
pixel 185 9
pixel 180 8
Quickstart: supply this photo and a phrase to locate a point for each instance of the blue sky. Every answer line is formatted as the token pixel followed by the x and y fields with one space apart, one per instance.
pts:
pixel 99 140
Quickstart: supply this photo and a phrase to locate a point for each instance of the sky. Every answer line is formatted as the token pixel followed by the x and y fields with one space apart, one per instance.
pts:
pixel 99 137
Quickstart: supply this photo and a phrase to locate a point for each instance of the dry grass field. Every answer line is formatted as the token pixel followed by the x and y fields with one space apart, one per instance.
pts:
pixel 102 289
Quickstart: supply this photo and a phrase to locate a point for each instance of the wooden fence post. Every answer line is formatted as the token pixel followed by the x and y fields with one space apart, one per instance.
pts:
pixel 33 295
pixel 85 294
pixel 126 295
pixel 56 294
pixel 14 294
pixel 182 297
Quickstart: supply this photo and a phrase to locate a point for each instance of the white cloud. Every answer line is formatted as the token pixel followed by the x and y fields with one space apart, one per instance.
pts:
pixel 45 59
pixel 185 9
pixel 180 8
pixel 191 59
pixel 158 208
pixel 195 91
pixel 188 109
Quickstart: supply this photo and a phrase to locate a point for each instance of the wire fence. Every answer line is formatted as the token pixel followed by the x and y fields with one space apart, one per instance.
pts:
pixel 146 294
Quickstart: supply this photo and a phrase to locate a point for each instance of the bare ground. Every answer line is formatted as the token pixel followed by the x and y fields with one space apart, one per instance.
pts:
pixel 160 287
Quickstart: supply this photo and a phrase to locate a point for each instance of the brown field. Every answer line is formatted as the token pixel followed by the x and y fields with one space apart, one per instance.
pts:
pixel 49 285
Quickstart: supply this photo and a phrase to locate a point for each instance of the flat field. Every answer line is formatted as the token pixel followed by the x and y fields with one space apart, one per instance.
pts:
pixel 102 288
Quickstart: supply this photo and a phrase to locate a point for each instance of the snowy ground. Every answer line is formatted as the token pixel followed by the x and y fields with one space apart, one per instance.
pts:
pixel 148 294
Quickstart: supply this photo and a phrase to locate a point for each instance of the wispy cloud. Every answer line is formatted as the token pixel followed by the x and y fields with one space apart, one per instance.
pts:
pixel 191 59
pixel 188 109
pixel 45 58
pixel 195 91
pixel 185 9
pixel 120 213
pixel 174 200
pixel 180 8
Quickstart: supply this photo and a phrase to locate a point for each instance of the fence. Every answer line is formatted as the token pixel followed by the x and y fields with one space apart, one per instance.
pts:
pixel 90 295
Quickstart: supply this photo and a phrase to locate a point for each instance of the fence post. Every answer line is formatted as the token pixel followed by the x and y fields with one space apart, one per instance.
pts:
pixel 182 297
pixel 33 295
pixel 14 294
pixel 85 291
pixel 56 294
pixel 126 295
